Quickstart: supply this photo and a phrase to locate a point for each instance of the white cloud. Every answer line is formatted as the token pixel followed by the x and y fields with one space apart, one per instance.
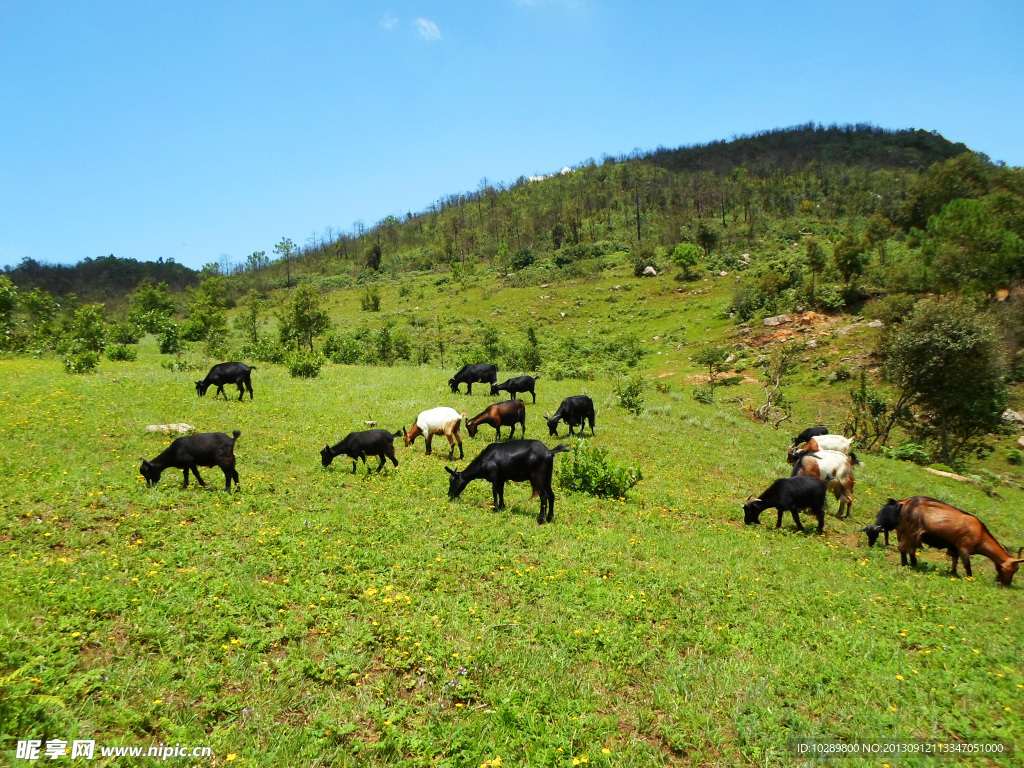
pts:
pixel 427 29
pixel 389 22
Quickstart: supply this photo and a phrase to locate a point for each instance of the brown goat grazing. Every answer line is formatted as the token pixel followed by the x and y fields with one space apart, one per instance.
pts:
pixel 834 468
pixel 928 521
pixel 504 414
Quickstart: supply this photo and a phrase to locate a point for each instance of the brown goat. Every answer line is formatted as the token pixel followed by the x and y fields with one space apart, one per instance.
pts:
pixel 834 468
pixel 504 414
pixel 928 521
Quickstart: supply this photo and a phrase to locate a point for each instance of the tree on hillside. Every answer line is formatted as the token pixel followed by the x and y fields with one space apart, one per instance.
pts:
pixel 969 248
pixel 707 238
pixel 286 249
pixel 712 358
pixel 945 360
pixel 303 319
pixel 207 320
pixel 150 305
pixel 685 256
pixel 250 320
pixel 815 263
pixel 849 256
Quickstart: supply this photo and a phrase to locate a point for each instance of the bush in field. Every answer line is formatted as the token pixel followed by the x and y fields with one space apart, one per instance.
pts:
pixel 125 332
pixel 343 349
pixel 121 352
pixel 169 339
pixel 182 364
pixel 306 365
pixel 370 300
pixel 631 394
pixel 81 362
pixel 588 469
pixel 264 350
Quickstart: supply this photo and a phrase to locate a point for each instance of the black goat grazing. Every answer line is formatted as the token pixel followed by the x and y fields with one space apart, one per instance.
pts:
pixel 515 386
pixel 210 449
pixel 227 373
pixel 808 433
pixel 573 411
pixel 887 519
pixel 789 494
pixel 516 461
pixel 359 445
pixel 475 373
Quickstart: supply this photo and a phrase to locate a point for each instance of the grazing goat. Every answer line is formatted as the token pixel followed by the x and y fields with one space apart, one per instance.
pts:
pixel 210 449
pixel 834 468
pixel 789 494
pixel 515 386
pixel 227 373
pixel 573 411
pixel 928 521
pixel 820 443
pixel 504 414
pixel 476 373
pixel 437 421
pixel 888 519
pixel 808 433
pixel 516 461
pixel 359 445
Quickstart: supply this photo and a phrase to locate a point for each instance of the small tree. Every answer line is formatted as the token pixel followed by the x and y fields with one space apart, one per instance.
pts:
pixel 849 256
pixel 712 358
pixel 304 319
pixel 286 249
pixel 250 320
pixel 370 300
pixel 945 361
pixel 685 256
pixel 815 264
pixel 775 370
pixel 707 238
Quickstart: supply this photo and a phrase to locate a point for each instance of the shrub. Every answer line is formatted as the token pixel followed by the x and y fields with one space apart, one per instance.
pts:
pixel 1015 456
pixel 126 332
pixel 370 300
pixel 588 469
pixel 630 394
pixel 121 352
pixel 523 258
pixel 181 364
pixel 909 451
pixel 306 365
pixel 345 349
pixel 169 339
pixel 704 395
pixel 265 350
pixel 81 362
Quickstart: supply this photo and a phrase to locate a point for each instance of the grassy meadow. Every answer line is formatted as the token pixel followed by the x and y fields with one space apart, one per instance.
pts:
pixel 321 618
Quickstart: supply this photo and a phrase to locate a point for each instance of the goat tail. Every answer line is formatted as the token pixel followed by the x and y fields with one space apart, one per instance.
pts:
pixel 536 377
pixel 236 434
pixel 855 460
pixel 560 448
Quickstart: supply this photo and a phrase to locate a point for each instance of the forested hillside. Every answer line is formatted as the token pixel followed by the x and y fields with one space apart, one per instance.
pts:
pixel 907 227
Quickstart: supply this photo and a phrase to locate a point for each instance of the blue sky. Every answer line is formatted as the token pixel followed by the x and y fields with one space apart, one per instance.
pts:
pixel 197 130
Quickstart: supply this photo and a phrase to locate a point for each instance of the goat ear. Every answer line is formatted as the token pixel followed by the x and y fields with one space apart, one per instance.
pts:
pixel 449 470
pixel 891 501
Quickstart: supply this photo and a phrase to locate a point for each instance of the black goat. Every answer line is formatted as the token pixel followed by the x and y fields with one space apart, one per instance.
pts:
pixel 808 433
pixel 789 494
pixel 227 373
pixel 887 519
pixel 516 461
pixel 573 411
pixel 476 373
pixel 515 386
pixel 359 445
pixel 210 449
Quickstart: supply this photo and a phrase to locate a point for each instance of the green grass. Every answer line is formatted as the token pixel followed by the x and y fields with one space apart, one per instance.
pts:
pixel 323 618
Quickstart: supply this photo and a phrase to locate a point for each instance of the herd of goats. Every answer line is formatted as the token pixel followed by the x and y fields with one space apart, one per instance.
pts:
pixel 820 461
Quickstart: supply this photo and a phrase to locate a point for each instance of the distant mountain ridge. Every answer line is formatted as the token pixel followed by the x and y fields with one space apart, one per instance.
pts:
pixel 791 149
pixel 101 278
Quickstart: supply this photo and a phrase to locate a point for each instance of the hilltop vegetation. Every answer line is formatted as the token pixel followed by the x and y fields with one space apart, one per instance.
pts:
pixel 842 220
